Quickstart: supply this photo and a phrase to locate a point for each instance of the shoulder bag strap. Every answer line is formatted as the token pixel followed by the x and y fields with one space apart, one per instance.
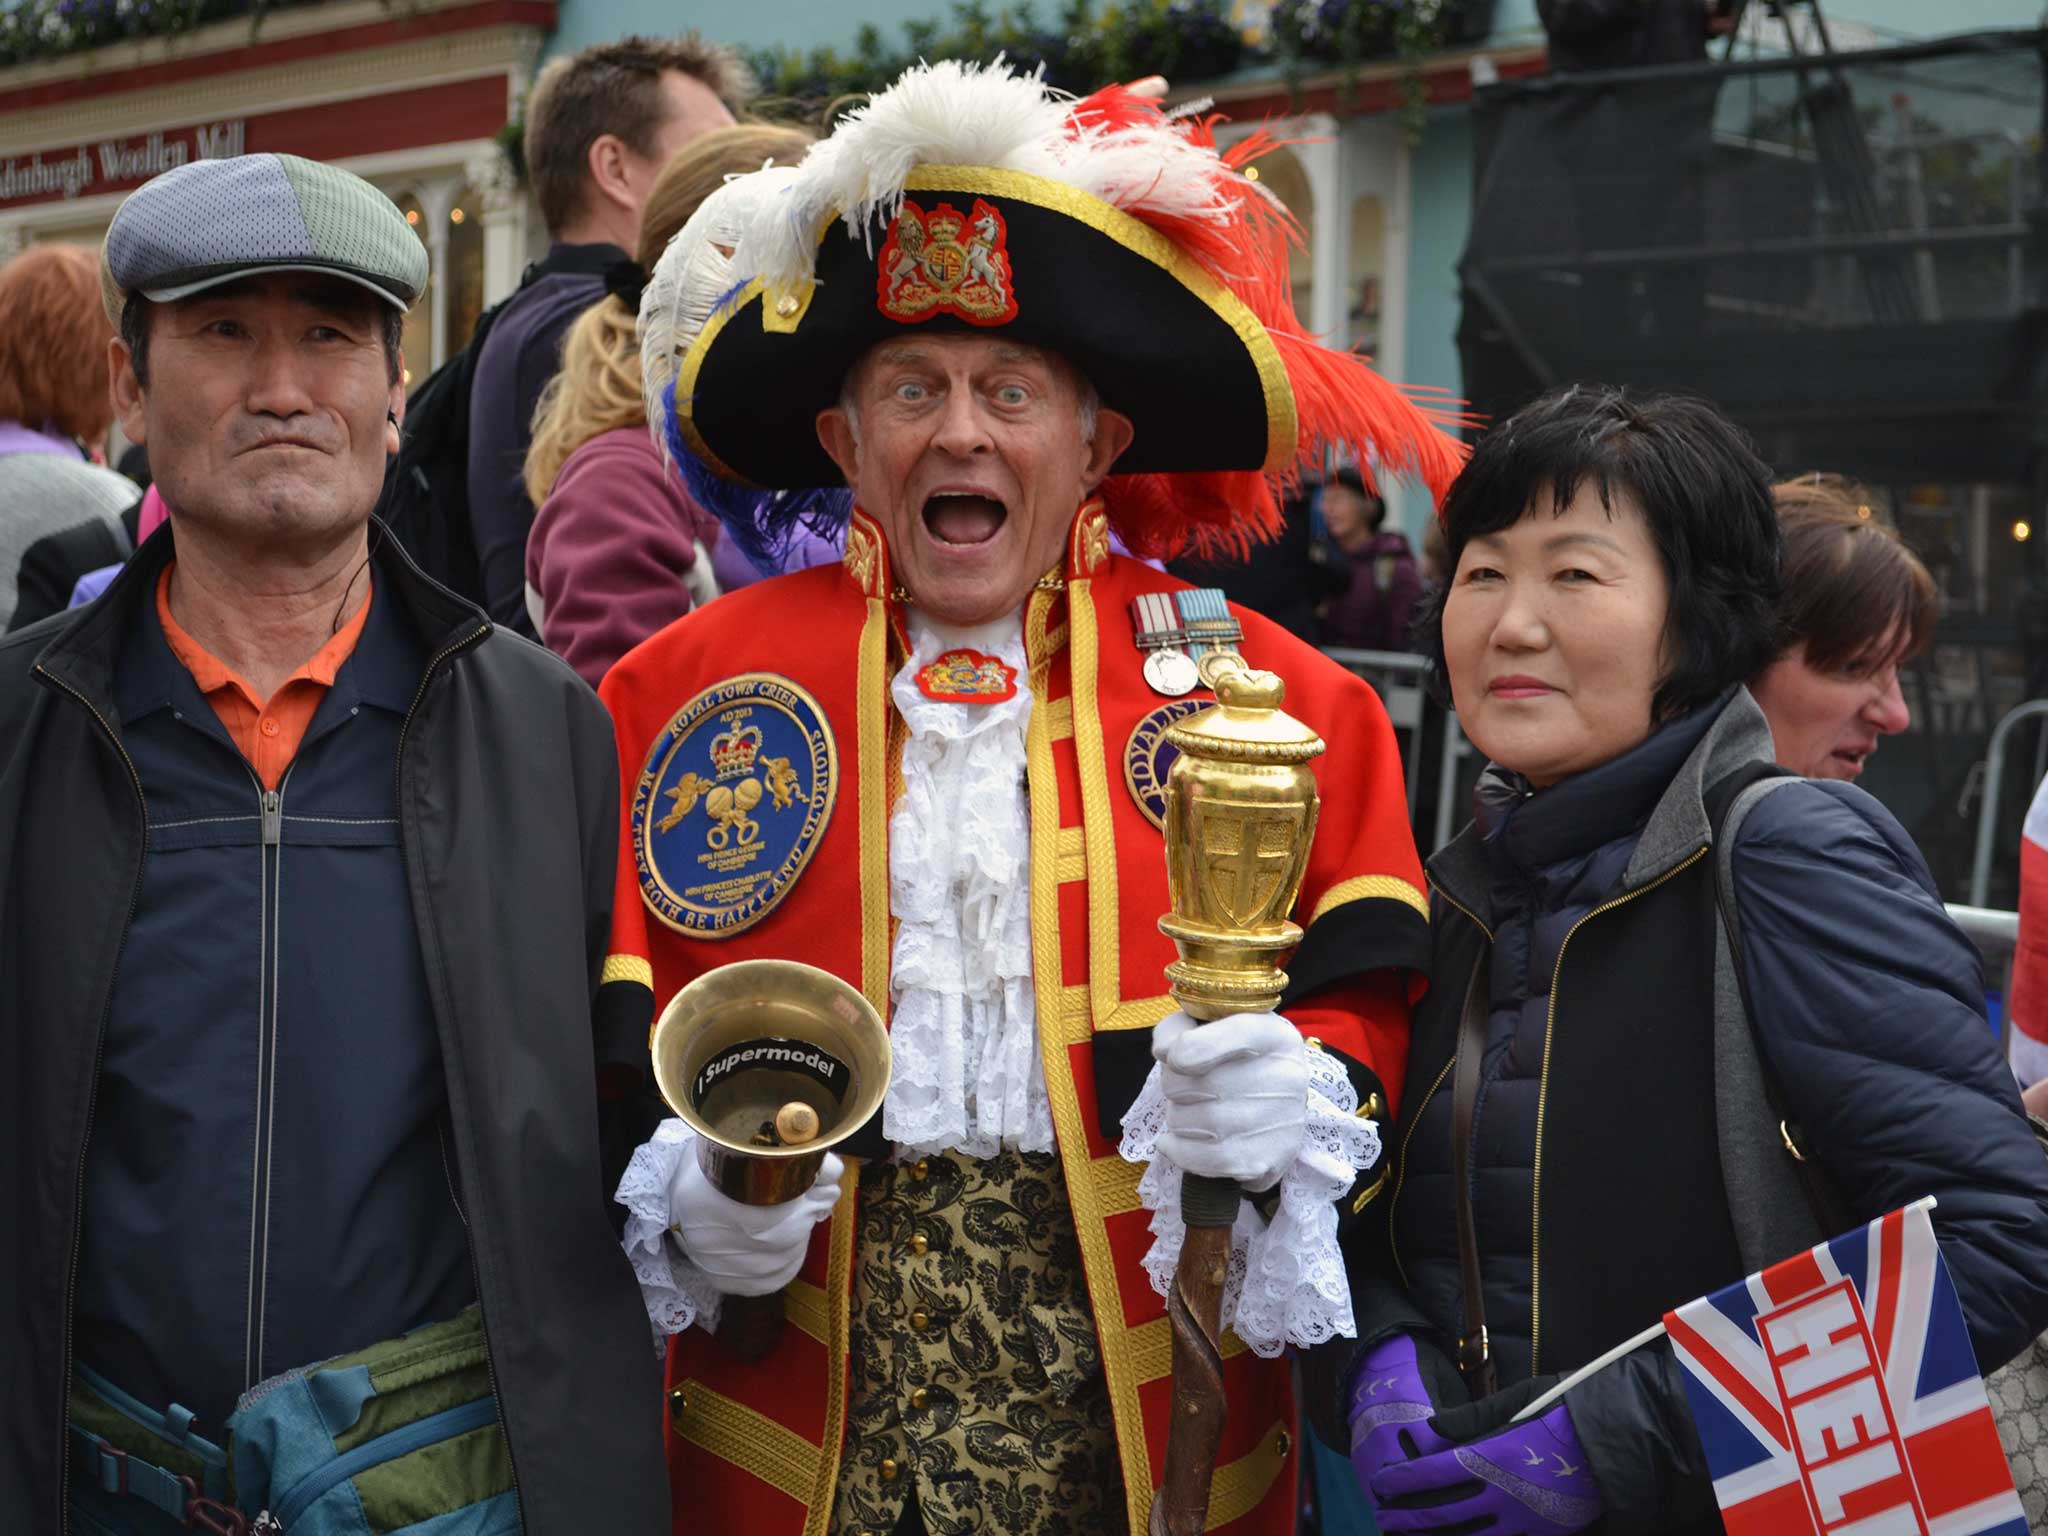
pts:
pixel 1820 1198
pixel 1475 1351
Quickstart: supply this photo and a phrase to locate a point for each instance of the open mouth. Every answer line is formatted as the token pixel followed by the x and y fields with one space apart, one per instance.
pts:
pixel 1851 759
pixel 963 519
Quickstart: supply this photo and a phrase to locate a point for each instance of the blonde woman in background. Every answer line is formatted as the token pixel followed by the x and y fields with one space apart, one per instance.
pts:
pixel 618 550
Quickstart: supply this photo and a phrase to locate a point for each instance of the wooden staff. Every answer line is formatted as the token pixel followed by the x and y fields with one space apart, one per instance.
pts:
pixel 1240 812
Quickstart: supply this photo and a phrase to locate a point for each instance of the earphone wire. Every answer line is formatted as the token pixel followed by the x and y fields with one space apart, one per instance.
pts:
pixel 340 608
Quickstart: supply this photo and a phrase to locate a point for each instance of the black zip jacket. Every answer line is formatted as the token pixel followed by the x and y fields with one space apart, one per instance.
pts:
pixel 508 811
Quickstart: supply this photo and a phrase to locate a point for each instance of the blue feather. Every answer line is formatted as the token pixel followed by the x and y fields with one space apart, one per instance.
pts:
pixel 762 523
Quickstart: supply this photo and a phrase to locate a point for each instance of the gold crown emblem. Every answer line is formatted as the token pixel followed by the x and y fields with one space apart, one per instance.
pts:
pixel 944 223
pixel 734 751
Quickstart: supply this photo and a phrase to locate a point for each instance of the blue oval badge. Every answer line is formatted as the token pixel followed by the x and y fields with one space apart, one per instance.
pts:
pixel 1148 757
pixel 733 801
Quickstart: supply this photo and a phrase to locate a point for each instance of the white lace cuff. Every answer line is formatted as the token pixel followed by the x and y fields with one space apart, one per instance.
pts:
pixel 675 1291
pixel 1286 1282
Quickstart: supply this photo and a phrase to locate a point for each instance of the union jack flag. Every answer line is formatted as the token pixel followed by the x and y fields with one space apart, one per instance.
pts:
pixel 1837 1393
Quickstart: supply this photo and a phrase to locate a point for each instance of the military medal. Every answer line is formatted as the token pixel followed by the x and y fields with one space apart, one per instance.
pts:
pixel 1176 629
pixel 1170 672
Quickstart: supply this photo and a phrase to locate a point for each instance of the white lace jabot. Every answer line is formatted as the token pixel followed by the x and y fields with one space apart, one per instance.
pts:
pixel 966 1074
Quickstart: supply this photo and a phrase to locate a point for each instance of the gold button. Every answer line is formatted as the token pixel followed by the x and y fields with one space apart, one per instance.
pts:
pixel 787 305
pixel 920 1170
pixel 920 1245
pixel 919 1398
pixel 678 1404
pixel 889 1469
pixel 920 1320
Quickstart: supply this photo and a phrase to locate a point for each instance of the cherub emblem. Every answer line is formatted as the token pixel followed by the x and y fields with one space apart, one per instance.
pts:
pixel 685 795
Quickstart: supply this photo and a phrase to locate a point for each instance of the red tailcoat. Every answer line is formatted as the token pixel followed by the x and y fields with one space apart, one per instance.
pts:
pixel 757 1447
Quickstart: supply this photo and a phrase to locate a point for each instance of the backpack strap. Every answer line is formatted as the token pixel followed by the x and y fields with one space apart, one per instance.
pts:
pixel 126 1470
pixel 1781 1200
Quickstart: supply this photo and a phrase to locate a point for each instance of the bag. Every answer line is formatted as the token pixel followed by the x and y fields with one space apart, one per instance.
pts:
pixel 2018 1389
pixel 385 1440
pixel 425 500
pixel 391 1437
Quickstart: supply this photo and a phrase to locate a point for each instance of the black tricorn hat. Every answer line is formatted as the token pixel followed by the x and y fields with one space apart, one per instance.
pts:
pixel 975 248
pixel 974 199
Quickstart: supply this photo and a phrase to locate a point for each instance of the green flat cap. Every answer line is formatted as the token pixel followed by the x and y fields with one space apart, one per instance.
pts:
pixel 215 221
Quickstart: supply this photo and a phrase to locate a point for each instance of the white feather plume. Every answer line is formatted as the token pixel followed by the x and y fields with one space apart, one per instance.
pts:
pixel 955 113
pixel 694 273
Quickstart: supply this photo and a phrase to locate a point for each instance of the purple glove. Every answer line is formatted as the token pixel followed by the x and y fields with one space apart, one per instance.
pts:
pixel 1392 1404
pixel 1528 1479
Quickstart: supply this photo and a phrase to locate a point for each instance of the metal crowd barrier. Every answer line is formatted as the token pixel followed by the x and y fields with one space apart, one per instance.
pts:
pixel 1397 675
pixel 1994 782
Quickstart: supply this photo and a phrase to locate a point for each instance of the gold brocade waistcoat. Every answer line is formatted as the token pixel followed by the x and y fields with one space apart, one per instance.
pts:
pixel 976 1376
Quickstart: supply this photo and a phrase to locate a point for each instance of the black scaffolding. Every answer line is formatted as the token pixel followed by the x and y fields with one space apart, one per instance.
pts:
pixel 1843 251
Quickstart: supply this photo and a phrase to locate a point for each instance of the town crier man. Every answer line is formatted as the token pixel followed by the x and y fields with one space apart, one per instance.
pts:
pixel 986 333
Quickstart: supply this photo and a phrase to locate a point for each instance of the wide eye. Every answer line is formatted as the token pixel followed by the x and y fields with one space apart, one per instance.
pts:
pixel 1012 394
pixel 910 392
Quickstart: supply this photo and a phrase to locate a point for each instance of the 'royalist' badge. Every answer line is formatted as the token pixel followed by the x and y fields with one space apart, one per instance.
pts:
pixel 1149 755
pixel 733 801
pixel 967 677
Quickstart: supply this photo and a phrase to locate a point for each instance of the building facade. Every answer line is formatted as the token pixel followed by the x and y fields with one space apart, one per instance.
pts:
pixel 412 99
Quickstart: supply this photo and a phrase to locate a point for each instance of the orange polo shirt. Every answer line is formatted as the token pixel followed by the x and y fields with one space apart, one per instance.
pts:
pixel 268 732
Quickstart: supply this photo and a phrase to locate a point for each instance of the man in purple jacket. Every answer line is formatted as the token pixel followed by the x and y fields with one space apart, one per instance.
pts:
pixel 600 125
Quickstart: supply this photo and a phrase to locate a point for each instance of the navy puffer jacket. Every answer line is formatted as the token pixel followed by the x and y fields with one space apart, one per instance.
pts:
pixel 1549 860
pixel 1870 1014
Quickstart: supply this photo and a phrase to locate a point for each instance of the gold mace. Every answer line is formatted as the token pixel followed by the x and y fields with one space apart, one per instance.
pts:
pixel 1240 811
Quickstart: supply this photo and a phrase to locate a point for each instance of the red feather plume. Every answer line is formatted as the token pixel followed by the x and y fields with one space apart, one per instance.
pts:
pixel 1340 402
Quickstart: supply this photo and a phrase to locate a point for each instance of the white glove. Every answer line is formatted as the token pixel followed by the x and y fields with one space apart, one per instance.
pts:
pixel 747 1250
pixel 1236 1095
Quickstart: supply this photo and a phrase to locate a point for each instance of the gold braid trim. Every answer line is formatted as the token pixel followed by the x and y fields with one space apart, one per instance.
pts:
pixel 631 968
pixel 1105 980
pixel 804 1305
pixel 1097 1262
pixel 1152 1349
pixel 1235 1490
pixel 751 1441
pixel 1370 887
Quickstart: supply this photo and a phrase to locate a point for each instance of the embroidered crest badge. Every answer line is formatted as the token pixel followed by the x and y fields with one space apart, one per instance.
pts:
pixel 943 261
pixel 968 677
pixel 1148 756
pixel 732 803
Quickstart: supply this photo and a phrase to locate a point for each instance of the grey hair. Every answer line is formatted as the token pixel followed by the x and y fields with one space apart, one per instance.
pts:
pixel 1089 408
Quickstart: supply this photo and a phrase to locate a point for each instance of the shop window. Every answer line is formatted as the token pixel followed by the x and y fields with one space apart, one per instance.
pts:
pixel 419 333
pixel 1368 262
pixel 462 270
pixel 1282 174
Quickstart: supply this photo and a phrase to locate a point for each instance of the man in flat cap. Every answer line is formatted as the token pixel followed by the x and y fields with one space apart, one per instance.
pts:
pixel 308 880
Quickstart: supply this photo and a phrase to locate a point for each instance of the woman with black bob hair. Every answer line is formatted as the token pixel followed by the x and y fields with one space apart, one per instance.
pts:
pixel 1586 1135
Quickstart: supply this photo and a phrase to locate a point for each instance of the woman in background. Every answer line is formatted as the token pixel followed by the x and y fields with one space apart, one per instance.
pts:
pixel 618 550
pixel 1857 606
pixel 54 410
